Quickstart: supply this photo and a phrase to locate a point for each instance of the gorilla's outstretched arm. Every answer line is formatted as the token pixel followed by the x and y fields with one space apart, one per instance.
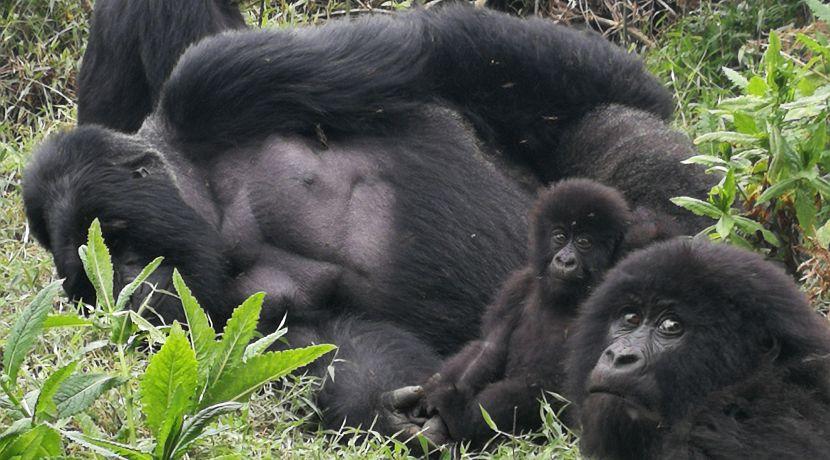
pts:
pixel 133 46
pixel 513 77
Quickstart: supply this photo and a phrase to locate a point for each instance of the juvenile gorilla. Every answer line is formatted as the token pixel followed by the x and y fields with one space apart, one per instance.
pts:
pixel 577 230
pixel 372 173
pixel 691 350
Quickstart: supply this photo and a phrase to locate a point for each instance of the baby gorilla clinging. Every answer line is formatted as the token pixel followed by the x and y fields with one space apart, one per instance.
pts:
pixel 577 231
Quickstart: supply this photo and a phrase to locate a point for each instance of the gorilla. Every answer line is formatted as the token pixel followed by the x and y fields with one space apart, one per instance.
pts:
pixel 133 46
pixel 577 231
pixel 692 350
pixel 372 176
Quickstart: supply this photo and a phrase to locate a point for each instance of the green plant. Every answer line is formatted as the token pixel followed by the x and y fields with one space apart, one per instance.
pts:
pixel 772 152
pixel 193 378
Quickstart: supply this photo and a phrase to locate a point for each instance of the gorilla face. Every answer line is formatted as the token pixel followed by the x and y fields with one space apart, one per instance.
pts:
pixel 669 326
pixel 576 230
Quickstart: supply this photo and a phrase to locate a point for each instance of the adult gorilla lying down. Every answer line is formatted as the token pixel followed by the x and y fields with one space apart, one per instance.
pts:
pixel 690 350
pixel 372 176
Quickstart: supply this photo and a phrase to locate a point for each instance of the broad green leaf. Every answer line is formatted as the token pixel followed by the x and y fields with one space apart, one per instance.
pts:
pixel 202 336
pixel 238 332
pixel 172 368
pixel 737 79
pixel 746 103
pixel 805 209
pixel 751 227
pixel 171 427
pixel 67 320
pixel 706 160
pixel 127 292
pixel 777 190
pixel 25 329
pixel 757 87
pixel 259 370
pixel 819 9
pixel 731 137
pixel 98 266
pixel 45 406
pixel 19 426
pixel 39 442
pixel 699 207
pixel 724 226
pixel 487 419
pixel 79 391
pixel 729 189
pixel 772 59
pixel 106 447
pixel 194 426
pixel 258 347
pixel 744 123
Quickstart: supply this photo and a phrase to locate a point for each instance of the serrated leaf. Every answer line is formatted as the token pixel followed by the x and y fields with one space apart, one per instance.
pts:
pixel 777 190
pixel 731 137
pixel 106 447
pixel 201 334
pixel 155 333
pixel 706 160
pixel 79 391
pixel 195 425
pixel 25 330
pixel 750 226
pixel 744 123
pixel 259 370
pixel 819 9
pixel 67 320
pixel 170 429
pixel 98 266
pixel 487 419
pixel 127 292
pixel 737 79
pixel 19 426
pixel 39 442
pixel 805 210
pixel 823 235
pixel 238 332
pixel 699 207
pixel 258 347
pixel 45 406
pixel 172 368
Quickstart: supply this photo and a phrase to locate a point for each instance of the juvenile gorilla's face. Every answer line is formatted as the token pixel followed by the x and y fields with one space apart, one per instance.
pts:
pixel 578 255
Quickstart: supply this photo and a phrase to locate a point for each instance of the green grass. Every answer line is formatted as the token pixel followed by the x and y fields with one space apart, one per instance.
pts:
pixel 41 42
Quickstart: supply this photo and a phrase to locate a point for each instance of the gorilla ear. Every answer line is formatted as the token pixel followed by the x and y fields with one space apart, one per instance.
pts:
pixel 772 347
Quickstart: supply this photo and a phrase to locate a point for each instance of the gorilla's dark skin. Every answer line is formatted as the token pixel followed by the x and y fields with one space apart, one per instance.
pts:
pixel 372 176
pixel 691 350
pixel 577 231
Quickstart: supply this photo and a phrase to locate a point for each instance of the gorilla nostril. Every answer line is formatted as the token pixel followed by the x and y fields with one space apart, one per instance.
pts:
pixel 626 359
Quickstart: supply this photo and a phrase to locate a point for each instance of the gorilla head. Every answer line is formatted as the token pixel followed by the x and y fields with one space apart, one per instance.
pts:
pixel 671 338
pixel 577 229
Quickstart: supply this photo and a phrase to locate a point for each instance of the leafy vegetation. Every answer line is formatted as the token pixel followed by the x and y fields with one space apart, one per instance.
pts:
pixel 751 78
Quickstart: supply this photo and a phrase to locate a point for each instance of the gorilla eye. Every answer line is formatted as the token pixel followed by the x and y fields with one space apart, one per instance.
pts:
pixel 559 237
pixel 583 242
pixel 632 318
pixel 670 326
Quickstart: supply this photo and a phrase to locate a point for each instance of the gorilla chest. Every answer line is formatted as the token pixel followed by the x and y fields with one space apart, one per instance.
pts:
pixel 324 204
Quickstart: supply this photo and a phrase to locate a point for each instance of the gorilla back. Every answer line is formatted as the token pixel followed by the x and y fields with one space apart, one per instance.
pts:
pixel 378 170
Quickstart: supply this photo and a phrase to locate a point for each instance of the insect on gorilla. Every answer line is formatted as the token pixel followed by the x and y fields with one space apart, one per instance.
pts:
pixel 577 231
pixel 692 350
pixel 372 175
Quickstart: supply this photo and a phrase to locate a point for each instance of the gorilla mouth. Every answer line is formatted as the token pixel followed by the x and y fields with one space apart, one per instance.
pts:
pixel 638 408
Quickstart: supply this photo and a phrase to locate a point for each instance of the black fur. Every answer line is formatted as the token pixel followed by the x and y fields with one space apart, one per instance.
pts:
pixel 746 377
pixel 520 352
pixel 373 170
pixel 133 46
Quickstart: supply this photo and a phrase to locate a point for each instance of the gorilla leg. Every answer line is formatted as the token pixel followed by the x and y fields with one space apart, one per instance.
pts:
pixel 372 359
pixel 133 46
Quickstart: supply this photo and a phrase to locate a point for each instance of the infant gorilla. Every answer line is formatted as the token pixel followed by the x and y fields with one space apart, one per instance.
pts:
pixel 577 231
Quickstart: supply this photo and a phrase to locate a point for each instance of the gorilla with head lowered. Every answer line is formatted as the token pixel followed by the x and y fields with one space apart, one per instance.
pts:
pixel 691 350
pixel 372 176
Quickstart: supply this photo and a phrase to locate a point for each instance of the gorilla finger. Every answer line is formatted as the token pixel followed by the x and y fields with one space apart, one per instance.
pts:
pixel 403 398
pixel 435 430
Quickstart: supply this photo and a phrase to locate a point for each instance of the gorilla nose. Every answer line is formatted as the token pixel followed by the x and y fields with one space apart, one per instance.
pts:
pixel 567 262
pixel 625 359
